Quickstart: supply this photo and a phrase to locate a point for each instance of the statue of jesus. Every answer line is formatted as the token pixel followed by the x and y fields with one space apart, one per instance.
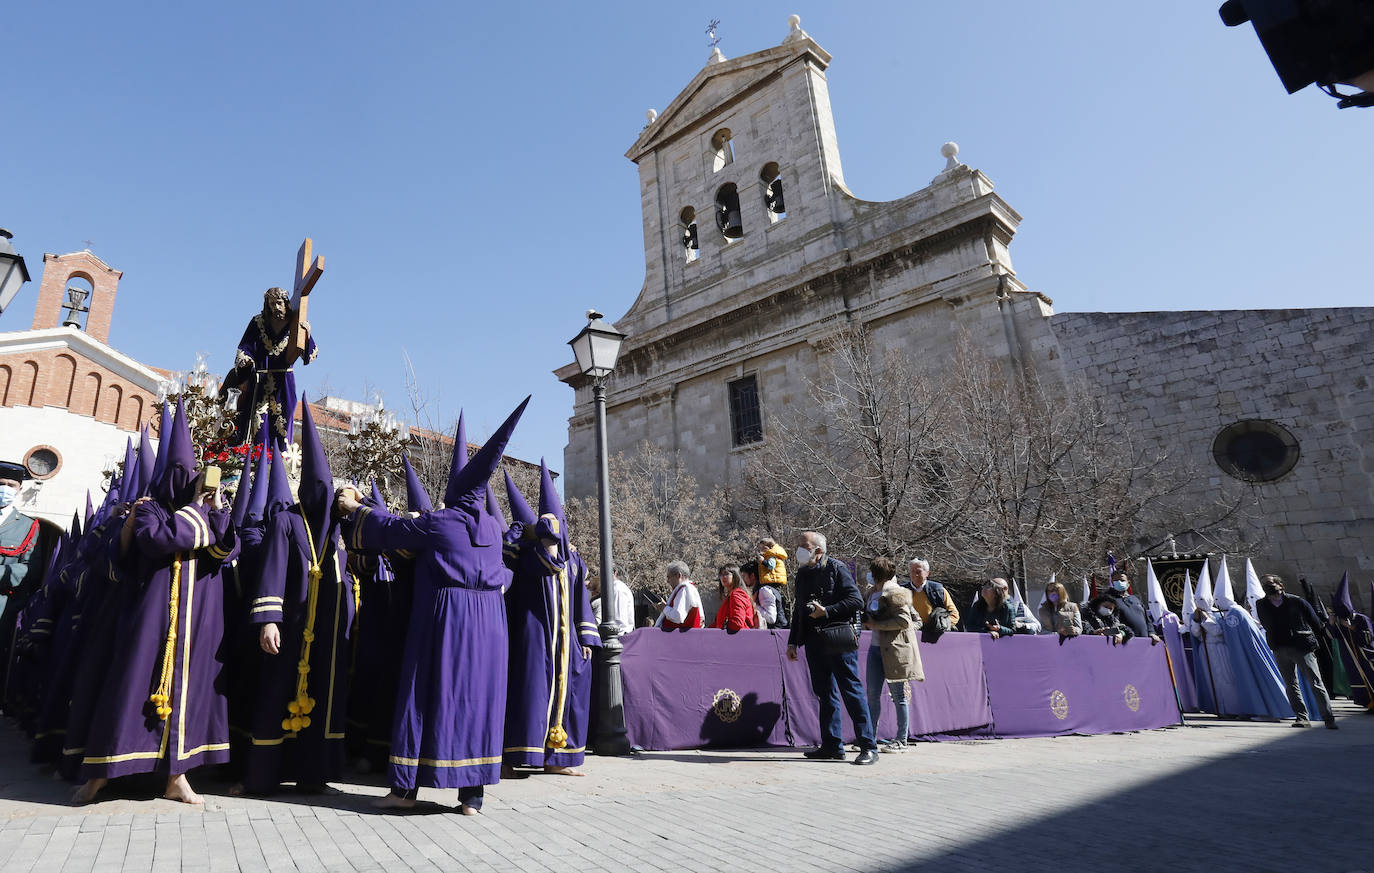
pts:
pixel 262 370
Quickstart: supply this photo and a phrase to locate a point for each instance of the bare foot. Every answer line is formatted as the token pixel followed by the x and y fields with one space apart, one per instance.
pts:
pixel 178 788
pixel 509 772
pixel 86 793
pixel 394 801
pixel 468 810
pixel 562 771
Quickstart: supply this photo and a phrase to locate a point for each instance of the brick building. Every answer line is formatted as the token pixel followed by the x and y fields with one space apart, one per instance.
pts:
pixel 70 399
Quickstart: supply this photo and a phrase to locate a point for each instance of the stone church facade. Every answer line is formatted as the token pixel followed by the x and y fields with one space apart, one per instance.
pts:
pixel 756 254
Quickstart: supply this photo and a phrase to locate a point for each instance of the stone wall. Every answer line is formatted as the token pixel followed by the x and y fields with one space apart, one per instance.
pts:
pixel 1178 378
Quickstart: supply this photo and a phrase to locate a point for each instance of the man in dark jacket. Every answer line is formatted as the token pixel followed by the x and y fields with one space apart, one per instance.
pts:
pixel 1129 610
pixel 827 598
pixel 1291 628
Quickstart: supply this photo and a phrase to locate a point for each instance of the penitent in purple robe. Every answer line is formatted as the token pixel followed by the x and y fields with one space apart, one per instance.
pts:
pixel 447 728
pixel 271 388
pixel 313 754
pixel 549 688
pixel 172 570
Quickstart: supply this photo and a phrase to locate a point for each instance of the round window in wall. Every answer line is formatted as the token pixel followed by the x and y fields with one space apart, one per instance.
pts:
pixel 42 462
pixel 1255 450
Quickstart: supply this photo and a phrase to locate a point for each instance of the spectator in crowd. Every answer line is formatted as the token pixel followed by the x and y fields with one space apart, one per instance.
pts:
pixel 1059 614
pixel 1129 610
pixel 772 563
pixel 767 603
pixel 1101 618
pixel 927 594
pixel 1292 629
pixel 682 609
pixel 827 599
pixel 736 611
pixel 893 657
pixel 624 602
pixel 992 611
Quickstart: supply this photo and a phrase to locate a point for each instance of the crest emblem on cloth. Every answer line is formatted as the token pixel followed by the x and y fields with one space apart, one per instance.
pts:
pixel 726 705
pixel 1059 705
pixel 1132 697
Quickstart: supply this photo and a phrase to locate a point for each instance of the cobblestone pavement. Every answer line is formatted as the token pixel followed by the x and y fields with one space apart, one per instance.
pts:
pixel 1216 795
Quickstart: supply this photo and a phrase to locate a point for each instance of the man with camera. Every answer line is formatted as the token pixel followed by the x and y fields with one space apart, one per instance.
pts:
pixel 827 600
pixel 1291 627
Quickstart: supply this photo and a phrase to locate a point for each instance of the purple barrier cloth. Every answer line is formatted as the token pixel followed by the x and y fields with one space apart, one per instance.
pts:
pixel 686 690
pixel 1087 686
pixel 953 697
pixel 689 689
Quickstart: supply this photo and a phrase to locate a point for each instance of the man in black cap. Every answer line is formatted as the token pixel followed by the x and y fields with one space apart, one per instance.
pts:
pixel 21 561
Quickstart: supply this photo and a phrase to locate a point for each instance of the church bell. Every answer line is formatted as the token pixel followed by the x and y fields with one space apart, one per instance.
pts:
pixel 730 225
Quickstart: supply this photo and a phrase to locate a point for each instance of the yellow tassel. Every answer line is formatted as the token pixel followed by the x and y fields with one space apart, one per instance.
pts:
pixel 161 696
pixel 300 707
pixel 558 738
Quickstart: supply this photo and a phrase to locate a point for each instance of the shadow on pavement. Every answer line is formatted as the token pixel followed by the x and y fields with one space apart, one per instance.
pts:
pixel 1302 802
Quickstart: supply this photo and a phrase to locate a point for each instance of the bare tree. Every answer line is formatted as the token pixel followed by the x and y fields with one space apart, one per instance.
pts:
pixel 982 468
pixel 865 460
pixel 658 514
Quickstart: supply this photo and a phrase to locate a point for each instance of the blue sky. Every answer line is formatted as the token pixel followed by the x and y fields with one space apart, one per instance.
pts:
pixel 462 168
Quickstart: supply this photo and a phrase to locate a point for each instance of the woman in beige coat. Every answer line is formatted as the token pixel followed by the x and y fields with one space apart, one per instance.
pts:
pixel 893 658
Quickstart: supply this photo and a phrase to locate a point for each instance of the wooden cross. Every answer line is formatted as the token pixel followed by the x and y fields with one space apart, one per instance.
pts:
pixel 308 272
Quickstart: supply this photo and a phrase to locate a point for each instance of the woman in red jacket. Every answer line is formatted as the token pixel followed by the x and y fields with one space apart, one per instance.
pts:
pixel 737 608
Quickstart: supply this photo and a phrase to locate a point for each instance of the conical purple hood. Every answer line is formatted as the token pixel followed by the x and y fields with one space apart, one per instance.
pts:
pixel 175 485
pixel 90 509
pixel 75 532
pixel 126 482
pixel 243 496
pixel 164 422
pixel 417 499
pixel 257 496
pixel 277 495
pixel 316 491
pixel 520 510
pixel 144 468
pixel 551 504
pixel 1340 601
pixel 466 486
pixel 460 456
pixel 377 499
pixel 494 510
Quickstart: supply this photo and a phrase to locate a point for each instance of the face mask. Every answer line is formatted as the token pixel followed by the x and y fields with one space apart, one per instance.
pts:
pixel 1054 598
pixel 803 556
pixel 7 495
pixel 1119 586
pixel 1104 611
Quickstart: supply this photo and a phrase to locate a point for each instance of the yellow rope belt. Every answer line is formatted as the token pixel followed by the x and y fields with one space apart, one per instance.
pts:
pixel 161 697
pixel 299 709
pixel 558 737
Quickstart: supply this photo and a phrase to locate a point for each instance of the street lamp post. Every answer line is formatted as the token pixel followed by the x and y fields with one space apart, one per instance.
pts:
pixel 596 349
pixel 13 272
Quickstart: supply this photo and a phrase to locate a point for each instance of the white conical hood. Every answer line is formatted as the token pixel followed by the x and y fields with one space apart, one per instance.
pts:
pixel 1221 592
pixel 1189 602
pixel 1204 588
pixel 1254 592
pixel 1087 592
pixel 1154 593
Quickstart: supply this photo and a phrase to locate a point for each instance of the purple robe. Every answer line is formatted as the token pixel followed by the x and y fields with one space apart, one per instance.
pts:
pixel 241 641
pixel 449 712
pixel 271 387
pixel 181 553
pixel 1356 646
pixel 387 583
pixel 548 696
pixel 313 754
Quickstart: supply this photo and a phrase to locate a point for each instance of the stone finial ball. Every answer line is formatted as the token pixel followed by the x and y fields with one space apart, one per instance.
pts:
pixel 949 150
pixel 794 21
pixel 651 115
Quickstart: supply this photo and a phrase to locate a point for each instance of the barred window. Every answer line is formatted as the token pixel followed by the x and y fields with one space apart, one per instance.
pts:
pixel 746 420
